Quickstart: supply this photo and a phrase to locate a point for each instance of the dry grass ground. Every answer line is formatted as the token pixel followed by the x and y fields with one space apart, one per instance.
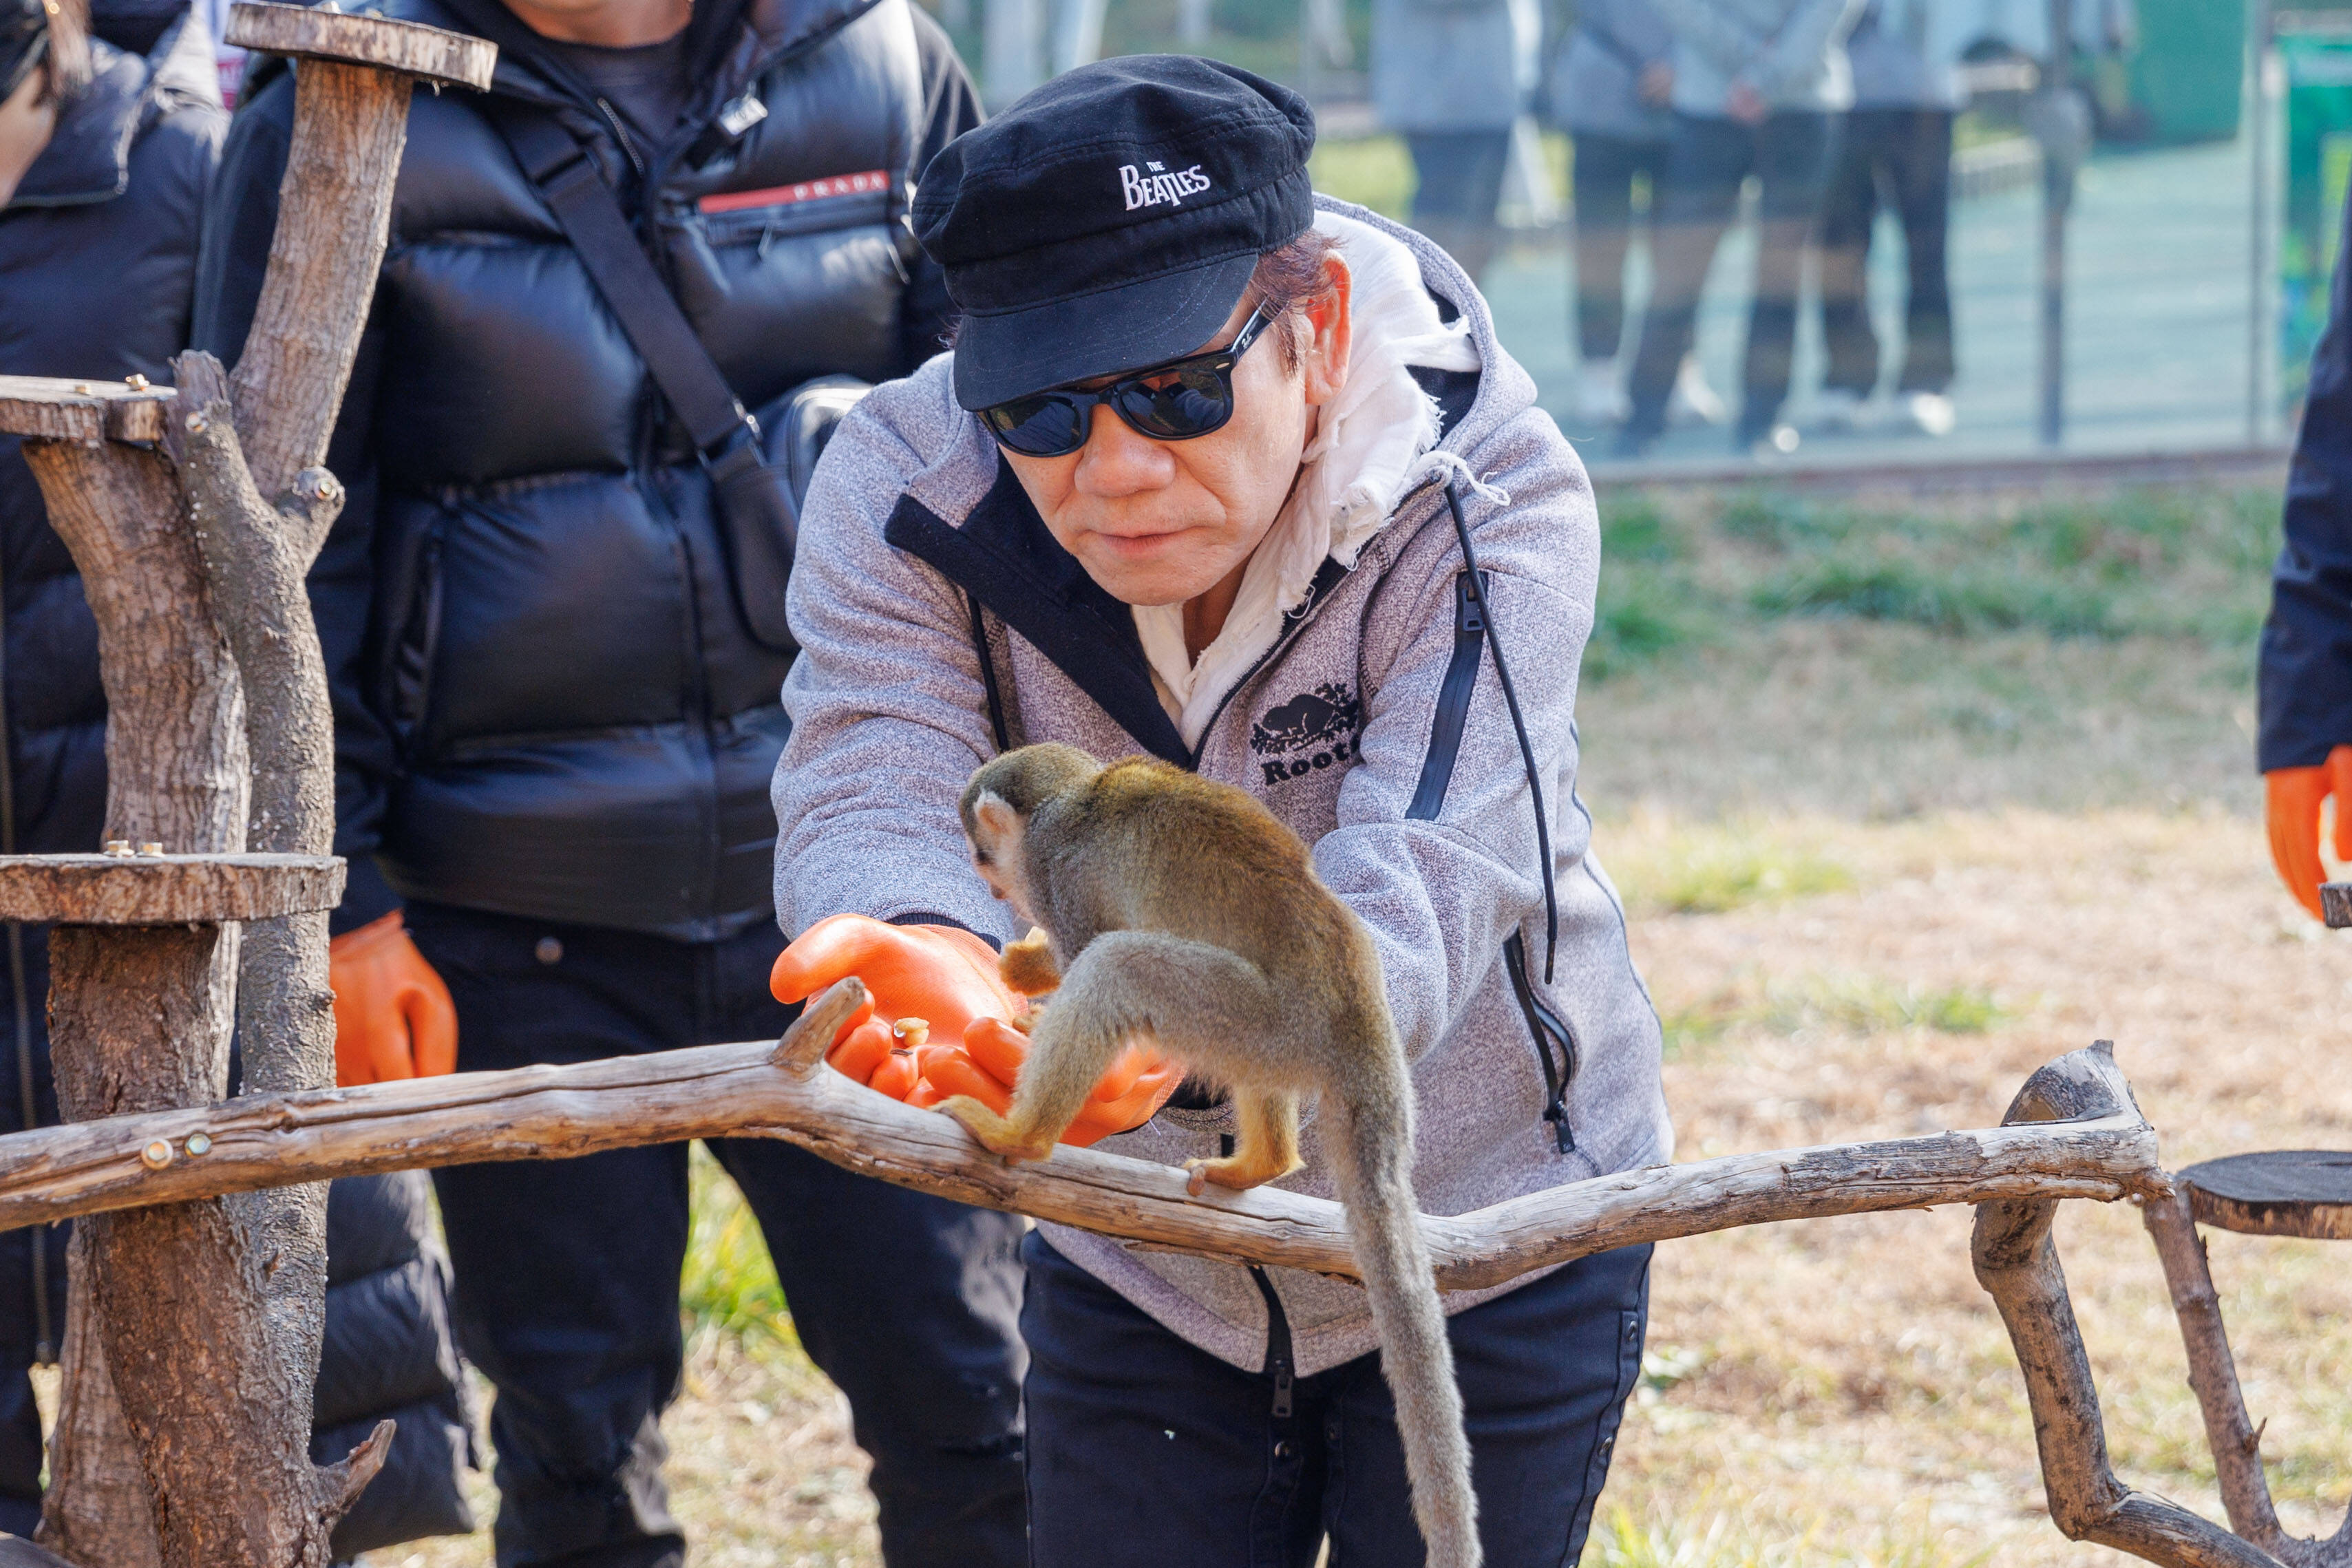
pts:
pixel 1904 805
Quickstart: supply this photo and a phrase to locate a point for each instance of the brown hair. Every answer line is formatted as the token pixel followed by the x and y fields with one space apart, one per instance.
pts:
pixel 1288 278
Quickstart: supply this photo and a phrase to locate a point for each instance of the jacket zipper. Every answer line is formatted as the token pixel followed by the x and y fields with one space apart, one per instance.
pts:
pixel 1453 703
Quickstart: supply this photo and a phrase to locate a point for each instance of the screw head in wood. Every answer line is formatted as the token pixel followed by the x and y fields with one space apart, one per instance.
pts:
pixel 198 1143
pixel 118 848
pixel 156 1155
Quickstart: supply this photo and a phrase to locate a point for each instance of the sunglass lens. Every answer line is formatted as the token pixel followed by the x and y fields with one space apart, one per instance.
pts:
pixel 1177 405
pixel 1047 426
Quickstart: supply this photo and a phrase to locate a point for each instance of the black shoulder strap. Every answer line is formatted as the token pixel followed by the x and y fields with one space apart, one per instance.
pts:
pixel 623 273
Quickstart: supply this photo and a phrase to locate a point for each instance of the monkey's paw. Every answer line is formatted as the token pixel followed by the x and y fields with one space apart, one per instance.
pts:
pixel 1027 965
pixel 994 1132
pixel 1235 1172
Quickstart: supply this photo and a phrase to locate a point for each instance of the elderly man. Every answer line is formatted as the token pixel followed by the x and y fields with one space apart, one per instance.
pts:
pixel 1204 477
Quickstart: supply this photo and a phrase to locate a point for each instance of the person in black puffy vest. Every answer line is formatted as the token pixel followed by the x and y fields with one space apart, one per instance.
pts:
pixel 108 147
pixel 557 713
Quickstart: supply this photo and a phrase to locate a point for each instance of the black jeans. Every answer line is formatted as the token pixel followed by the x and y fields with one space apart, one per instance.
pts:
pixel 567 1271
pixel 1460 185
pixel 1910 150
pixel 1707 163
pixel 1144 1452
pixel 1606 170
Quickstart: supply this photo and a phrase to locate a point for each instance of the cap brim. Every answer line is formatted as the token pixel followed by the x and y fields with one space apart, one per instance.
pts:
pixel 1001 357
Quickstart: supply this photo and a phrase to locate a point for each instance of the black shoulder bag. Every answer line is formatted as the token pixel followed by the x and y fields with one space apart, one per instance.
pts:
pixel 758 519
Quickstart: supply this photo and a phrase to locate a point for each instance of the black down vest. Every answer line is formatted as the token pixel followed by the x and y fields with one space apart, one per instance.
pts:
pixel 548 703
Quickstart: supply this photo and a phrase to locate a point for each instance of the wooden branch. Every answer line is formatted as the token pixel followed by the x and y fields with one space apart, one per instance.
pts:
pixel 164 889
pixel 546 1112
pixel 175 775
pixel 334 214
pixel 2234 1439
pixel 2017 1263
pixel 257 554
pixel 175 761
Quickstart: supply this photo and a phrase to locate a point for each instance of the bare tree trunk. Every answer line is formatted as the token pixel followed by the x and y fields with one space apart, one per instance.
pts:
pixel 141 1016
pixel 256 558
pixel 175 775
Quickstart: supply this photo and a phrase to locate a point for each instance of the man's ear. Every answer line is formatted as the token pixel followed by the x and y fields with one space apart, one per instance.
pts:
pixel 1330 331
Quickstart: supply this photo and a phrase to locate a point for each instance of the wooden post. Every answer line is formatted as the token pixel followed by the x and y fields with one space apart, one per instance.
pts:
pixel 2017 1263
pixel 208 1314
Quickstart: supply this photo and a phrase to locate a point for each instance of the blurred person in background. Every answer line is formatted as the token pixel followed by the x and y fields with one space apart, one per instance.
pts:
pixel 1609 89
pixel 556 688
pixel 109 138
pixel 1896 152
pixel 1758 89
pixel 2304 745
pixel 1451 76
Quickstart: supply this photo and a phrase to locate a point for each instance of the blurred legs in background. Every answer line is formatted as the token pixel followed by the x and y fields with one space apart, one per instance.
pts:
pixel 1706 163
pixel 1607 169
pixel 1460 176
pixel 1904 157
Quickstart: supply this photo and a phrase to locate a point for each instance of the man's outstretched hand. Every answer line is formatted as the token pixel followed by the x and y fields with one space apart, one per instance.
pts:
pixel 393 1017
pixel 948 978
pixel 2293 810
pixel 988 1064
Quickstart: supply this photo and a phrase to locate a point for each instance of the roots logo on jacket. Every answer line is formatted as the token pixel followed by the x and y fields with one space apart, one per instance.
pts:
pixel 1154 185
pixel 1314 730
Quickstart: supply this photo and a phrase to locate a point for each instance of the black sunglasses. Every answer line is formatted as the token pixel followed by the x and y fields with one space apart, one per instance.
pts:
pixel 1177 400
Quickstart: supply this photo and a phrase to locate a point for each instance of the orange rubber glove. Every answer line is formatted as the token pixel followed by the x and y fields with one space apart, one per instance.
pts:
pixel 393 1017
pixel 947 977
pixel 988 1064
pixel 2293 809
pixel 942 974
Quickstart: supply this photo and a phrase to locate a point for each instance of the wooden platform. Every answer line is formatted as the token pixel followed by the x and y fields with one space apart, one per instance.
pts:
pixel 166 890
pixel 2287 1192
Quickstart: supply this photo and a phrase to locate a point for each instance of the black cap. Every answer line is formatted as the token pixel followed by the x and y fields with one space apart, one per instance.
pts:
pixel 1111 219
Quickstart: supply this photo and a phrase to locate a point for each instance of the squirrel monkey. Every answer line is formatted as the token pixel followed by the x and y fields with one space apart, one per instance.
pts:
pixel 1176 909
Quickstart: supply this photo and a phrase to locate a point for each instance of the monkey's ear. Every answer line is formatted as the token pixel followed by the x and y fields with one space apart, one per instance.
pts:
pixel 998 820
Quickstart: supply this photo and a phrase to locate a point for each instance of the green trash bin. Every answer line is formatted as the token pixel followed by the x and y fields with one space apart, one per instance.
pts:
pixel 2188 72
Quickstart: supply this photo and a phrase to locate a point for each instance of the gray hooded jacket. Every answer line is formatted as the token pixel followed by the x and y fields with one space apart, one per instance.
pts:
pixel 926 592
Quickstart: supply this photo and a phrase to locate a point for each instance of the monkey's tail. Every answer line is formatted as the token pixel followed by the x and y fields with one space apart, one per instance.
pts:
pixel 1374 1164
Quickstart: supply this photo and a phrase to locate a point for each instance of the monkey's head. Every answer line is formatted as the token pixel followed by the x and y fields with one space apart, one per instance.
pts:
pixel 999 802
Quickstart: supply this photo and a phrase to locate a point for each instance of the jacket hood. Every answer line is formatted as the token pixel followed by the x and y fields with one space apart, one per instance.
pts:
pixel 89 156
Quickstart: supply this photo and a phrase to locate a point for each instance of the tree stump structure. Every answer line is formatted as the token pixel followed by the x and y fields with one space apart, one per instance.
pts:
pixel 195 1327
